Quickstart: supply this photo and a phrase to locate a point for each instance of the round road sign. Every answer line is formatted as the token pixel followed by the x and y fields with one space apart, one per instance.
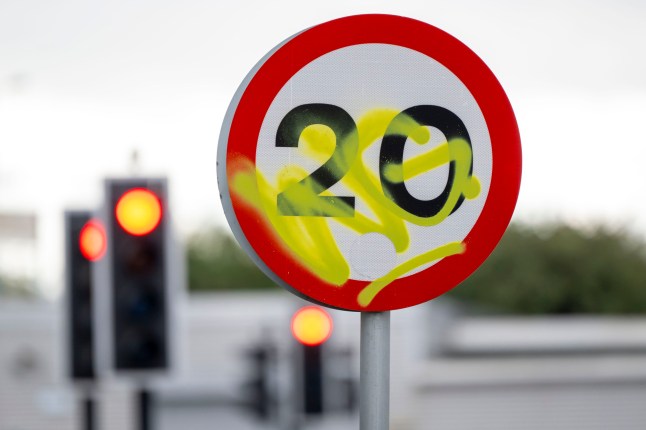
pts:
pixel 369 163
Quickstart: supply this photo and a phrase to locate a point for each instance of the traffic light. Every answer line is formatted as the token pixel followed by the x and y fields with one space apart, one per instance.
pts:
pixel 85 242
pixel 259 389
pixel 137 222
pixel 311 327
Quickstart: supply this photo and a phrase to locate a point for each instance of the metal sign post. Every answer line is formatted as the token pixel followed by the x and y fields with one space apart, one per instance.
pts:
pixel 374 397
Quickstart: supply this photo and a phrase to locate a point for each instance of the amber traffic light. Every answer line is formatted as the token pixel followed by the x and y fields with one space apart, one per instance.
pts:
pixel 311 325
pixel 138 211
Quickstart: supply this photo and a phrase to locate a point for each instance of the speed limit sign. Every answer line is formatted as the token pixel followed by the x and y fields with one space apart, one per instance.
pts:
pixel 369 163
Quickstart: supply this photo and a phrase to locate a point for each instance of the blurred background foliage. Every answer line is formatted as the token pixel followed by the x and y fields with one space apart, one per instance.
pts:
pixel 560 269
pixel 550 268
pixel 19 287
pixel 216 263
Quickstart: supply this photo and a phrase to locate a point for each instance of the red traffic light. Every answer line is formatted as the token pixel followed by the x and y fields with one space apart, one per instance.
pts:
pixel 92 240
pixel 138 211
pixel 311 325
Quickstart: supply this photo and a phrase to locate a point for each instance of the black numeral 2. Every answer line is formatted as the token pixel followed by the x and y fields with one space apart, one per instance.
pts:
pixel 303 198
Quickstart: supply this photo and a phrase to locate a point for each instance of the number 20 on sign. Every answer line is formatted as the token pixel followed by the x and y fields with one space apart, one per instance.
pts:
pixel 369 163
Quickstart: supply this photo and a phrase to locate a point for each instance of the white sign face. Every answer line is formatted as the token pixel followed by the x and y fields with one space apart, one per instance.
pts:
pixel 378 79
pixel 367 169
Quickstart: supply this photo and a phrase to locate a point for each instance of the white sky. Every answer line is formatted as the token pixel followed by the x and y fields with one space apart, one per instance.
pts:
pixel 83 83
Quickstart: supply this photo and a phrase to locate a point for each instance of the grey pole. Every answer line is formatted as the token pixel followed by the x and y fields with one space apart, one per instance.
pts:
pixel 374 390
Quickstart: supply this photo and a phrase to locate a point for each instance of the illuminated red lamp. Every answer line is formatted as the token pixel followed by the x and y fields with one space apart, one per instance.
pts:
pixel 138 211
pixel 92 240
pixel 311 325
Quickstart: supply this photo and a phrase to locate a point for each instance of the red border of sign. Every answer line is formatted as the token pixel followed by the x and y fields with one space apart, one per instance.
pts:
pixel 307 46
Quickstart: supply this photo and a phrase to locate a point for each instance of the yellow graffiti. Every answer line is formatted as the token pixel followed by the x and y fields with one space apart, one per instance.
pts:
pixel 369 292
pixel 310 238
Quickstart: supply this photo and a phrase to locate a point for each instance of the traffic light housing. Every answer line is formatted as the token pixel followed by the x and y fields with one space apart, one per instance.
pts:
pixel 137 221
pixel 311 327
pixel 259 389
pixel 85 242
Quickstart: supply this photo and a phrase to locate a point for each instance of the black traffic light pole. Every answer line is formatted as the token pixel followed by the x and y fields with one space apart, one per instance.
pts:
pixel 144 406
pixel 88 412
pixel 312 379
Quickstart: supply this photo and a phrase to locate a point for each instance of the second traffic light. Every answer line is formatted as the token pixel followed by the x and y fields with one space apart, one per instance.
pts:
pixel 137 222
pixel 311 326
pixel 84 244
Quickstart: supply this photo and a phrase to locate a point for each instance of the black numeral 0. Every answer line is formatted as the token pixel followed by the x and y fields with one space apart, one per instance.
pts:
pixel 303 198
pixel 392 154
